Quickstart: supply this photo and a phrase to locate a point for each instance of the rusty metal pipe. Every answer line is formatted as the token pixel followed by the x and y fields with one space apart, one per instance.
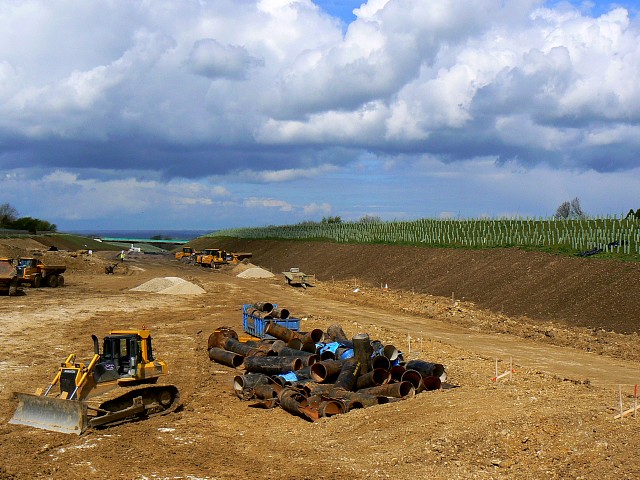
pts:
pixel 281 313
pixel 336 333
pixel 219 335
pixel 225 357
pixel 267 392
pixel 272 365
pixel 390 352
pixel 326 370
pixel 426 369
pixel 380 361
pixel 233 345
pixel 348 376
pixel 281 332
pixel 377 376
pixel 314 336
pixel 244 385
pixel 312 388
pixel 396 372
pixel 397 390
pixel 362 351
pixel 413 377
pixel 292 352
pixel 362 400
pixel 290 400
pixel 309 346
pixel 331 407
pixel 432 383
pixel 263 306
pixel 295 343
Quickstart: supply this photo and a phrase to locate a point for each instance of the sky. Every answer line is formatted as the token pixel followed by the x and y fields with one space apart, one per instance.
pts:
pixel 210 114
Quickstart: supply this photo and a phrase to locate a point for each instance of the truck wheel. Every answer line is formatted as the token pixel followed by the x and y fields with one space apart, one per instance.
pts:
pixel 52 281
pixel 60 281
pixel 13 288
pixel 37 280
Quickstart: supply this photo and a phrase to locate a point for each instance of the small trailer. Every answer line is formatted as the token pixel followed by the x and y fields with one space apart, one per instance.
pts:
pixel 296 278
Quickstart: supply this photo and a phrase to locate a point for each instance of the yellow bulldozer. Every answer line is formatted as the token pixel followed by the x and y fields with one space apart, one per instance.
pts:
pixel 213 257
pixel 126 361
pixel 186 253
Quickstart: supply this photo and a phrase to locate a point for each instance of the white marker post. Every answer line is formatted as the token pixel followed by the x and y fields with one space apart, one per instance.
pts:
pixel 509 372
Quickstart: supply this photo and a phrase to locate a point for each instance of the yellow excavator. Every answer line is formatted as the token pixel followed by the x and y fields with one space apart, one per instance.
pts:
pixel 126 361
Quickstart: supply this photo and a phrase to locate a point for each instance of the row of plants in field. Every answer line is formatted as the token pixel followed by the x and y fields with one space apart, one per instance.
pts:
pixel 611 234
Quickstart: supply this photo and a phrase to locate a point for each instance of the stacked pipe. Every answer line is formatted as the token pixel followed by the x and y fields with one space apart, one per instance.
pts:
pixel 267 311
pixel 320 374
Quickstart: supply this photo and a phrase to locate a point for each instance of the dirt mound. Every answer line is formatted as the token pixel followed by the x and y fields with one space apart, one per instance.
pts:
pixel 255 272
pixel 170 286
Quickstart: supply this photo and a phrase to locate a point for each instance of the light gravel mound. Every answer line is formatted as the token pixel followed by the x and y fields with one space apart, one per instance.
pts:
pixel 169 286
pixel 255 272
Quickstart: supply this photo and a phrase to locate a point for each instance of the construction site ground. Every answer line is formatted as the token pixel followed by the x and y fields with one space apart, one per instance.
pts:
pixel 553 417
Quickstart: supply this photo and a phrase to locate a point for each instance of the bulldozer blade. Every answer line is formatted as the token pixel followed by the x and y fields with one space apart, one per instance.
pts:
pixel 54 414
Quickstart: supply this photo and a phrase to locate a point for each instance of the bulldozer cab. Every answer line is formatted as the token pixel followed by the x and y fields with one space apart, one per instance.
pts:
pixel 125 351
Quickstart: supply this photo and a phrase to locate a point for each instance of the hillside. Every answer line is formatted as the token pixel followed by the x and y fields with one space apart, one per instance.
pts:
pixel 585 292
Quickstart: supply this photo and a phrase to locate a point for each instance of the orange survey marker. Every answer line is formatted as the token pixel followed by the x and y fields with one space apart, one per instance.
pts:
pixel 509 372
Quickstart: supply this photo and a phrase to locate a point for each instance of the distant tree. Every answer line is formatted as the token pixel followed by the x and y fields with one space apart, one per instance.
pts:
pixel 370 219
pixel 34 225
pixel 576 209
pixel 633 214
pixel 570 209
pixel 564 210
pixel 8 215
pixel 330 219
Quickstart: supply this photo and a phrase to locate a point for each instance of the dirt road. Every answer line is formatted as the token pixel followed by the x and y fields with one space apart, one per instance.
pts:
pixel 553 419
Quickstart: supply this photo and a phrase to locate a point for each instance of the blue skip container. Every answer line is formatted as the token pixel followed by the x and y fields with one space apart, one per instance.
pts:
pixel 255 326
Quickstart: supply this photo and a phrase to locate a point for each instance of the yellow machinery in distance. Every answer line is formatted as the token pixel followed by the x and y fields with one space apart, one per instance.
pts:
pixel 213 257
pixel 37 274
pixel 187 252
pixel 127 361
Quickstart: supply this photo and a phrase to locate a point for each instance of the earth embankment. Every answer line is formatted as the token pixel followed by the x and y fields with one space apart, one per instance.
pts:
pixel 583 292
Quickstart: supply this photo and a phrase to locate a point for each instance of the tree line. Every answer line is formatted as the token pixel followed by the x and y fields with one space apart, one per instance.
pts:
pixel 10 219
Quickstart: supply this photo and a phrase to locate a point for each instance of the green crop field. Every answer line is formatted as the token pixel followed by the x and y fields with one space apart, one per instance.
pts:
pixel 613 236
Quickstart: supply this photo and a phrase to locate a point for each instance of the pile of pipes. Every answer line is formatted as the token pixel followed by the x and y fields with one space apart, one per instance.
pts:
pixel 317 374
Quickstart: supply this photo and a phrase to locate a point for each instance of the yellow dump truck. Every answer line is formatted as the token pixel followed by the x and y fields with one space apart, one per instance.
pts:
pixel 38 274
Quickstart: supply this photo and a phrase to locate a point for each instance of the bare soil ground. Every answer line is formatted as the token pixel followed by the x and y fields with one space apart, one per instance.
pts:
pixel 553 419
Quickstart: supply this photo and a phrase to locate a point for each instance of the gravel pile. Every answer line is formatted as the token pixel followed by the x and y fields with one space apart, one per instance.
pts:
pixel 255 272
pixel 169 286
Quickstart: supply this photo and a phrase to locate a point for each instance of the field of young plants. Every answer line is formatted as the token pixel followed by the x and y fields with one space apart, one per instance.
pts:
pixel 589 236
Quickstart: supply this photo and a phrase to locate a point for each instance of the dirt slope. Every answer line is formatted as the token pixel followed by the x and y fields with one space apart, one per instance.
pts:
pixel 594 293
pixel 554 419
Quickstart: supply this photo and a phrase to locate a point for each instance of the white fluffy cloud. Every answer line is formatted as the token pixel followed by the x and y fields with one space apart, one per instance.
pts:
pixel 111 94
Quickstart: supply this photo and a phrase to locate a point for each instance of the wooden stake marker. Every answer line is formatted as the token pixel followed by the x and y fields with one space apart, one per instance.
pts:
pixel 633 409
pixel 508 372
